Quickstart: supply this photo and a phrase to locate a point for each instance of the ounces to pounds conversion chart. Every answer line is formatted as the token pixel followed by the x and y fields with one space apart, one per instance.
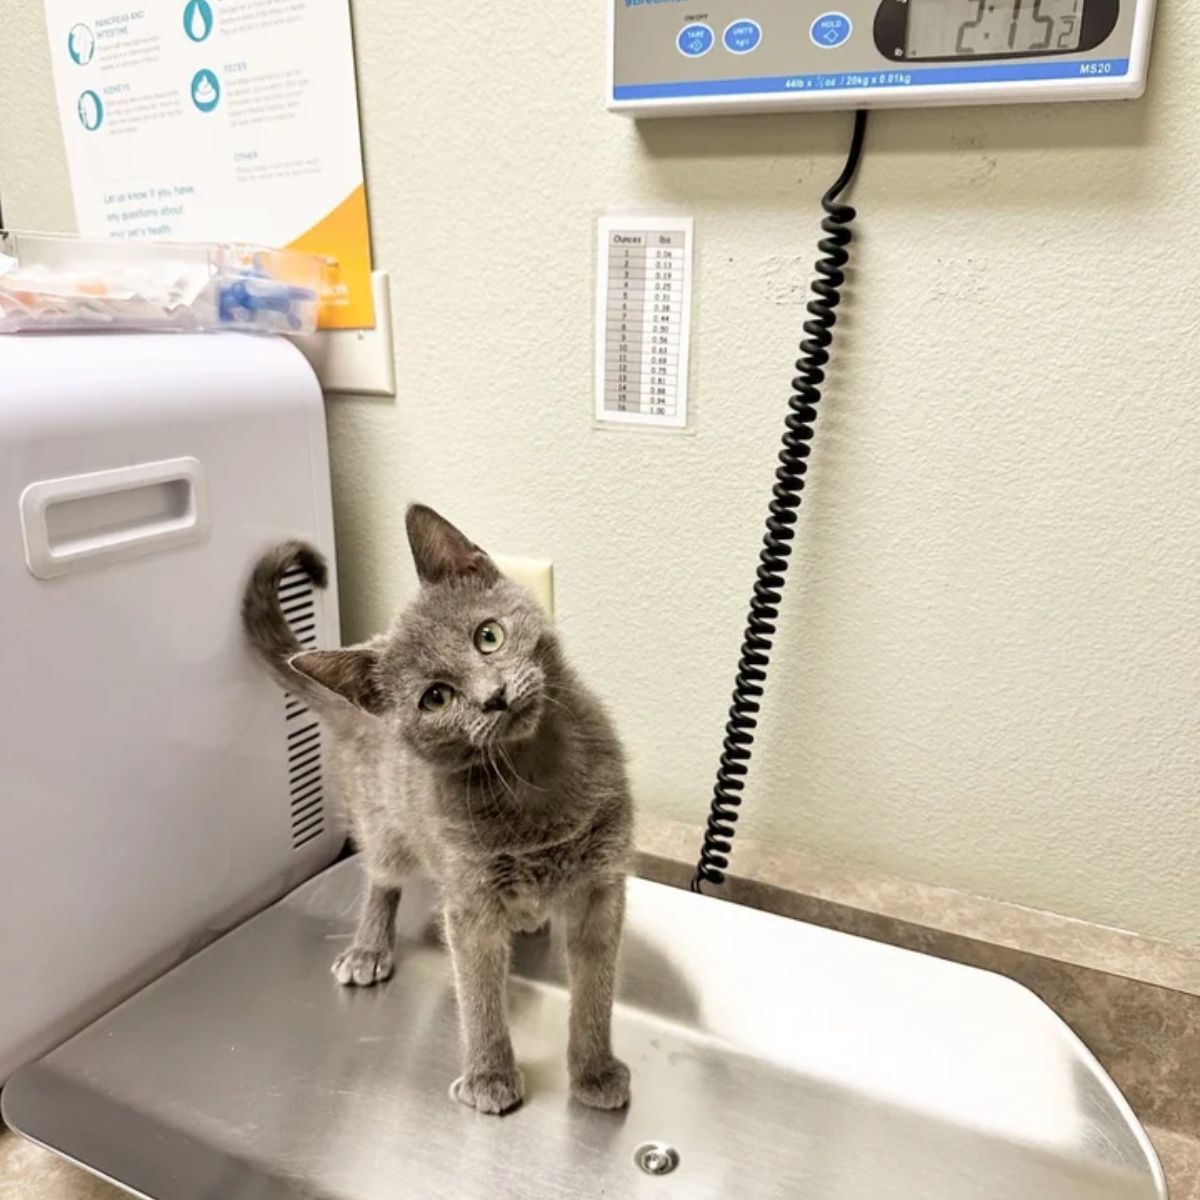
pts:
pixel 643 318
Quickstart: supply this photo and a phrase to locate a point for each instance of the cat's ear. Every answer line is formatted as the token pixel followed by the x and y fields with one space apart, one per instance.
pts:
pixel 349 673
pixel 441 552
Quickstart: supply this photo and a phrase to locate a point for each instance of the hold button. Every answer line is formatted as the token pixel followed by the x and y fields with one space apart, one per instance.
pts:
pixel 830 30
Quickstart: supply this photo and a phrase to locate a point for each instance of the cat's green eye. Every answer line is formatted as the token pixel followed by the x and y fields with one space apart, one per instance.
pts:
pixel 437 697
pixel 489 637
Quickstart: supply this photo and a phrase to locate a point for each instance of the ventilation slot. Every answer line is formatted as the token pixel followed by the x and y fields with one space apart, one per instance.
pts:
pixel 306 793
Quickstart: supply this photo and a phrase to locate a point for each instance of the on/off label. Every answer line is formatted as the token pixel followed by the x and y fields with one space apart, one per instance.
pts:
pixel 643 317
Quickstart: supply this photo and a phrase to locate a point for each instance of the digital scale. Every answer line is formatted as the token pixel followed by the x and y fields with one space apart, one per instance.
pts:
pixel 678 57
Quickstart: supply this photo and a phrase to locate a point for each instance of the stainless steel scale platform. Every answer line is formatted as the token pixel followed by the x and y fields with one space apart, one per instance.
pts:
pixel 770 1059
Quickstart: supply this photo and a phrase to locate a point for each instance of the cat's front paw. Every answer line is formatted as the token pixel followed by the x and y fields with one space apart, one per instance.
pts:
pixel 605 1085
pixel 495 1092
pixel 361 967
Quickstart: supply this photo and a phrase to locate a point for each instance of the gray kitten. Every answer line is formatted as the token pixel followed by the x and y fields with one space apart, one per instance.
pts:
pixel 464 745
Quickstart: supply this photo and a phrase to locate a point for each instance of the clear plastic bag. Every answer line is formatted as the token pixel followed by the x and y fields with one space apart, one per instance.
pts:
pixel 53 282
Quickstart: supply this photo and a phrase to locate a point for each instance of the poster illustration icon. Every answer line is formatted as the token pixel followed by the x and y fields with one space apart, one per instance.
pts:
pixel 91 111
pixel 197 19
pixel 206 90
pixel 81 44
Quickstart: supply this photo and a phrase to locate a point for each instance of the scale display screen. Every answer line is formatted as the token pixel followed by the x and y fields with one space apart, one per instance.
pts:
pixel 965 28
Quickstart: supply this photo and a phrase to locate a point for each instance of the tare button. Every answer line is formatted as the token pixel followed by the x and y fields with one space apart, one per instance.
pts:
pixel 742 36
pixel 695 41
pixel 831 29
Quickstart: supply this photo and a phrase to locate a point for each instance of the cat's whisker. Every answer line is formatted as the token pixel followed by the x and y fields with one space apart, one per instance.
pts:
pixel 501 807
pixel 500 774
pixel 527 782
pixel 560 705
pixel 471 815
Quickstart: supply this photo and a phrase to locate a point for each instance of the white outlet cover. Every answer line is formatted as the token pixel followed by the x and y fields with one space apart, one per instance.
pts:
pixel 536 574
pixel 356 360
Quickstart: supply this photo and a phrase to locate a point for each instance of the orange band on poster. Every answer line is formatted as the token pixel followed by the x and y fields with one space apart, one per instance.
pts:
pixel 344 235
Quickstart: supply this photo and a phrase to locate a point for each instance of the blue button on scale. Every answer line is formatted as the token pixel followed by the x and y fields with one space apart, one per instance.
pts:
pixel 695 40
pixel 740 37
pixel 831 29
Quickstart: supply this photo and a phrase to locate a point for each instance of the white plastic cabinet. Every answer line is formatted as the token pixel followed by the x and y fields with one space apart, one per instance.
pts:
pixel 155 786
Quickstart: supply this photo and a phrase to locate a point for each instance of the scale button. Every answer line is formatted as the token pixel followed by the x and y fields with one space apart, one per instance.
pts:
pixel 831 29
pixel 742 36
pixel 695 40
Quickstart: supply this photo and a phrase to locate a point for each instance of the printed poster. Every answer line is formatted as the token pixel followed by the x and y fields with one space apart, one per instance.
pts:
pixel 218 120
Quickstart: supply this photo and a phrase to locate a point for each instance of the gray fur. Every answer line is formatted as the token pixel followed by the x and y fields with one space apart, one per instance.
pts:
pixel 513 798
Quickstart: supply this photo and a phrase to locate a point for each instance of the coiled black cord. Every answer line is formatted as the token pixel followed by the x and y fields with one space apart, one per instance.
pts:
pixel 786 498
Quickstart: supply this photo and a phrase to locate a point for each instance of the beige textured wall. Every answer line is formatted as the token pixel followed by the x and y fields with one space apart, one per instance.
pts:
pixel 987 673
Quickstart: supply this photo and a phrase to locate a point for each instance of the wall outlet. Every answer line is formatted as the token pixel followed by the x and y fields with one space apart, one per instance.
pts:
pixel 356 360
pixel 536 574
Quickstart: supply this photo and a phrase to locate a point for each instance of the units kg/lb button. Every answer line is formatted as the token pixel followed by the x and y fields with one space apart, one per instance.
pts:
pixel 742 36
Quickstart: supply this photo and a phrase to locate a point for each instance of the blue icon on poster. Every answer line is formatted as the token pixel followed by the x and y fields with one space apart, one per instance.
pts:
pixel 81 44
pixel 91 111
pixel 197 19
pixel 206 90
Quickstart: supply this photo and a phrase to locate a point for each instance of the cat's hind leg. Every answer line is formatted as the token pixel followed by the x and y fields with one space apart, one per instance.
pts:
pixel 370 958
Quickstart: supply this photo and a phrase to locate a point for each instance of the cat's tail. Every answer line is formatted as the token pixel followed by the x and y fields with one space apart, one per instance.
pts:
pixel 262 614
pixel 266 624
